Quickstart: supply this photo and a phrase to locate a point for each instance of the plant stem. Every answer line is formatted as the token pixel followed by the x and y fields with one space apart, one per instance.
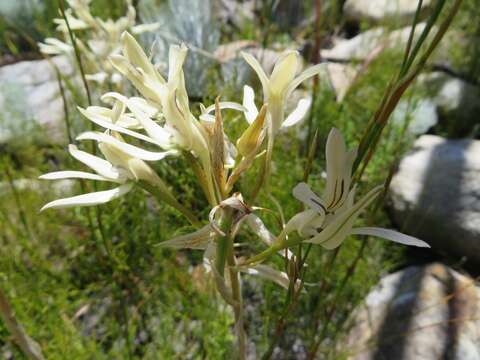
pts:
pixel 238 302
pixel 223 242
pixel 77 52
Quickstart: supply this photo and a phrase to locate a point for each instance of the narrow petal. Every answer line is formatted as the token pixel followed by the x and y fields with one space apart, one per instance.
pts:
pixel 249 104
pixel 176 58
pixel 258 69
pixel 336 188
pixel 299 113
pixel 258 227
pixel 72 175
pixel 391 235
pixel 104 122
pixel 95 198
pixel 284 72
pixel 99 165
pixel 127 148
pixel 268 273
pixel 311 71
pixel 135 54
pixel 140 29
pixel 303 193
pixel 196 240
pixel 225 105
pixel 161 136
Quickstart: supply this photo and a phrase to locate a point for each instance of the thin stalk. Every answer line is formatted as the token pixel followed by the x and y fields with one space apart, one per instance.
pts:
pixel 431 21
pixel 28 346
pixel 76 50
pixel 238 302
pixel 410 38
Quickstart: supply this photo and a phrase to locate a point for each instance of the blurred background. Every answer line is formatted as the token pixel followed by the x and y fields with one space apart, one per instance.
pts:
pixel 80 298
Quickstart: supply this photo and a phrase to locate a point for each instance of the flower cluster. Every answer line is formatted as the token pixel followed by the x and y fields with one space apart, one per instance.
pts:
pixel 96 39
pixel 161 118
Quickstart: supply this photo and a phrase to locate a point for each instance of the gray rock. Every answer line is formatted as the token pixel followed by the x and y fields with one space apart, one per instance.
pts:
pixel 458 102
pixel 420 313
pixel 369 42
pixel 377 10
pixel 30 99
pixel 421 115
pixel 435 195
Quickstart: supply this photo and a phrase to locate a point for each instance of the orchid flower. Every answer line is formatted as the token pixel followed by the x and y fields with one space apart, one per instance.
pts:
pixel 330 219
pixel 278 88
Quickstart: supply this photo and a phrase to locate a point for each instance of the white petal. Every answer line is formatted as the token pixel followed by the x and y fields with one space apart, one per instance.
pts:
pixel 336 189
pixel 303 193
pixel 249 104
pixel 258 69
pixel 135 54
pixel 195 240
pixel 99 165
pixel 299 113
pixel 268 273
pixel 284 72
pixel 104 122
pixel 391 235
pixel 311 71
pixel 161 136
pixel 95 198
pixel 139 29
pixel 176 58
pixel 127 148
pixel 72 175
pixel 259 228
pixel 207 118
pixel 225 105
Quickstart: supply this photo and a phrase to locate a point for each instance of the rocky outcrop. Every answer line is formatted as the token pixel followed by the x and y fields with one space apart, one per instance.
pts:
pixel 366 43
pixel 435 195
pixel 420 313
pixel 30 98
pixel 378 10
pixel 457 101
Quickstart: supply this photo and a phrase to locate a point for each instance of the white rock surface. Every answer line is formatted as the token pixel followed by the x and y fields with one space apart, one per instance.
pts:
pixel 420 313
pixel 340 77
pixel 435 195
pixel 365 44
pixel 377 10
pixel 30 97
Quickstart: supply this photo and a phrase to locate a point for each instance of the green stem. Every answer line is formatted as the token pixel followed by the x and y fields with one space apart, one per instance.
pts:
pixel 238 299
pixel 223 242
pixel 162 195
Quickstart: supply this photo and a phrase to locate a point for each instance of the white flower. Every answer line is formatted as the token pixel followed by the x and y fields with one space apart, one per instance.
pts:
pixel 278 88
pixel 105 170
pixel 330 219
